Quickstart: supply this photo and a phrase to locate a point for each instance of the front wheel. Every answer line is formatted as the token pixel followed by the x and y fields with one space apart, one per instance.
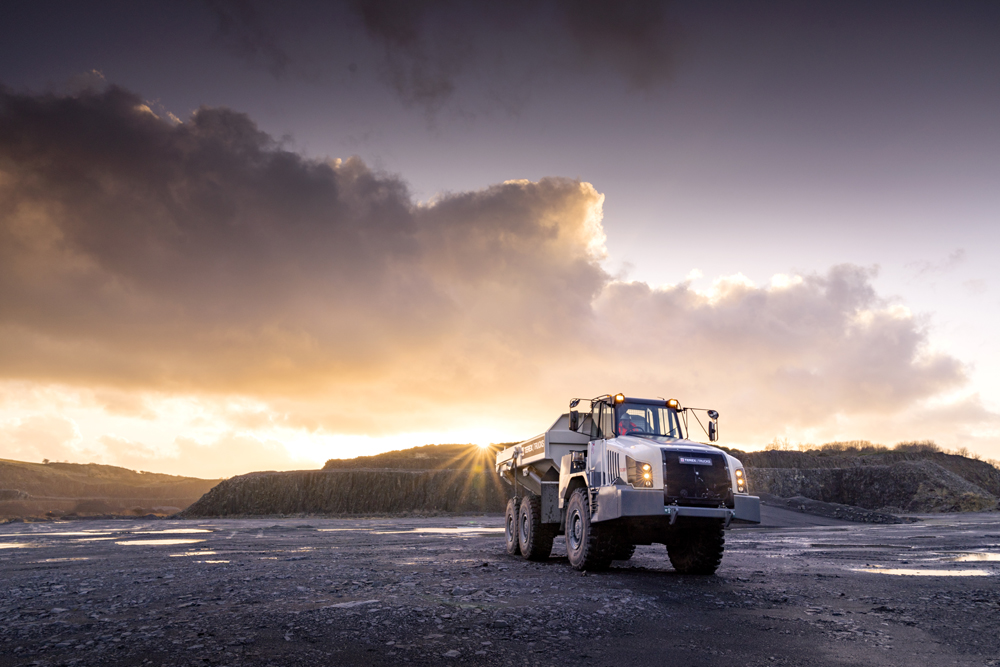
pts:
pixel 586 545
pixel 510 531
pixel 695 547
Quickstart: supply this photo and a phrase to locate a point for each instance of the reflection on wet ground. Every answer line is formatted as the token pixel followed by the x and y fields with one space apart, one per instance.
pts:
pixel 975 556
pixel 155 543
pixel 463 530
pixel 923 572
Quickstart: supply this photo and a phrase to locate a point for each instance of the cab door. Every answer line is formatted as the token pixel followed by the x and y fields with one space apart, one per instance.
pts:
pixel 602 430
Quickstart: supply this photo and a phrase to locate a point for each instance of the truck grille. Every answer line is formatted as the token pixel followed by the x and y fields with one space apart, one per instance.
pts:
pixel 614 467
pixel 696 478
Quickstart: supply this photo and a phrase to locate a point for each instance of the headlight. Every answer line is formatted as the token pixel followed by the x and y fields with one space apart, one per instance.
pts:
pixel 640 475
pixel 741 481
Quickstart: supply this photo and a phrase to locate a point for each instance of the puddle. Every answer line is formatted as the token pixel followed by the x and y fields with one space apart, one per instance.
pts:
pixel 973 556
pixel 61 560
pixel 923 573
pixel 15 545
pixel 859 546
pixel 94 539
pixel 156 543
pixel 195 553
pixel 442 531
pixel 335 530
pixel 212 561
pixel 84 533
pixel 173 531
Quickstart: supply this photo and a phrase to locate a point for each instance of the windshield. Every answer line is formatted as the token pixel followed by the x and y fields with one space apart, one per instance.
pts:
pixel 648 420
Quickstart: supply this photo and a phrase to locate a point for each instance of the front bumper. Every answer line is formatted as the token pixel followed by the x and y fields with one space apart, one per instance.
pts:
pixel 614 502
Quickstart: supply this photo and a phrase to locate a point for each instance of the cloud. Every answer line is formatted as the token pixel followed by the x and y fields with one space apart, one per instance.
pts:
pixel 229 454
pixel 241 30
pixel 427 46
pixel 976 286
pixel 637 38
pixel 39 437
pixel 925 267
pixel 202 259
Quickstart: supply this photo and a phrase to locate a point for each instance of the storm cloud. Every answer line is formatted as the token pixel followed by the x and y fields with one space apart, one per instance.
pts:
pixel 204 258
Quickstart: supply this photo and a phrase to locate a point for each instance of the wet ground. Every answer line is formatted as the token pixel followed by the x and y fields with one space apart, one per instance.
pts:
pixel 795 591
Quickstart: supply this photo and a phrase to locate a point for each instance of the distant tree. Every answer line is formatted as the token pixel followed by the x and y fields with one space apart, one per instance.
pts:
pixel 45 461
pixel 918 447
pixel 778 445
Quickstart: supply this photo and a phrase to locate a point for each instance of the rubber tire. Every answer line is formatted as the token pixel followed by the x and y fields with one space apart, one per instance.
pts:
pixel 623 551
pixel 510 528
pixel 586 543
pixel 695 547
pixel 534 538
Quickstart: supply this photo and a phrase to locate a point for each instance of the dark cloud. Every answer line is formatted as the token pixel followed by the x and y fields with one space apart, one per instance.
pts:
pixel 637 37
pixel 428 46
pixel 204 258
pixel 241 29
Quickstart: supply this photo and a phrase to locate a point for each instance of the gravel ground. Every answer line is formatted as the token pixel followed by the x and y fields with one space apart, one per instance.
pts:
pixel 322 591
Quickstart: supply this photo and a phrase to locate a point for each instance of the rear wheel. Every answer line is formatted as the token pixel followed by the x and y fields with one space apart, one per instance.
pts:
pixel 695 547
pixel 586 544
pixel 510 532
pixel 534 538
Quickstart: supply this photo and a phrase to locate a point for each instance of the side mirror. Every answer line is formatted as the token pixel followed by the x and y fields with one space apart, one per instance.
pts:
pixel 574 420
pixel 713 431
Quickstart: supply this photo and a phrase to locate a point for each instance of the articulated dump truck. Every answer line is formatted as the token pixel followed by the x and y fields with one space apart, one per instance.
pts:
pixel 625 473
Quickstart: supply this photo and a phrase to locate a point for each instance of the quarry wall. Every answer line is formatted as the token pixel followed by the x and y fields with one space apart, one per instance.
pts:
pixel 348 491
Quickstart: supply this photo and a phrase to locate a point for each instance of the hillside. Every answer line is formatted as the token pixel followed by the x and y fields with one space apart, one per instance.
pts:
pixel 980 473
pixel 460 478
pixel 39 489
pixel 428 479
pixel 427 457
pixel 911 477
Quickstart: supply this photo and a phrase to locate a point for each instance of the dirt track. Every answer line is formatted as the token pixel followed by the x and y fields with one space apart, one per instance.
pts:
pixel 432 591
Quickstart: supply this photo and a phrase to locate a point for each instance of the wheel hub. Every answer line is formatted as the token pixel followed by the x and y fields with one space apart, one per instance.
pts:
pixel 576 531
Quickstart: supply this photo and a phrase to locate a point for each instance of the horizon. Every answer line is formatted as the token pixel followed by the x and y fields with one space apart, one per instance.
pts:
pixel 235 237
pixel 847 447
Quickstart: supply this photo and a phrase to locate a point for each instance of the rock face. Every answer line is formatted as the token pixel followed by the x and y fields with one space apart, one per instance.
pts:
pixel 354 492
pixel 905 486
pixel 980 473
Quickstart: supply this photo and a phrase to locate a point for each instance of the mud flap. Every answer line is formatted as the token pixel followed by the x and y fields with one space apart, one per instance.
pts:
pixel 550 502
pixel 747 509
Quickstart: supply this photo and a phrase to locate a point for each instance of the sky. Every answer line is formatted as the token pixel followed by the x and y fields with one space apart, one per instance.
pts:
pixel 238 236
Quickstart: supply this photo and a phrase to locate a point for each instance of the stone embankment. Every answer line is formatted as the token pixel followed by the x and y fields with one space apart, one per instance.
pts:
pixel 353 491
